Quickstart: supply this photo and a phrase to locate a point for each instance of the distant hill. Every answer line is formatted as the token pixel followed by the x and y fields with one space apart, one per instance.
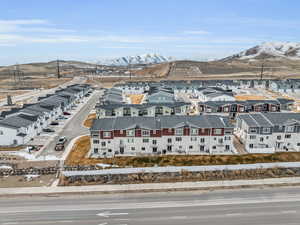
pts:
pixel 269 50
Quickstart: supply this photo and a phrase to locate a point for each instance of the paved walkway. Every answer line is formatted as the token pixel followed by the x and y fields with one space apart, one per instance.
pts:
pixel 149 187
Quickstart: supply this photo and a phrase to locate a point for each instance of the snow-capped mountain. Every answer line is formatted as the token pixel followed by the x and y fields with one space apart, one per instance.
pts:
pixel 134 60
pixel 288 50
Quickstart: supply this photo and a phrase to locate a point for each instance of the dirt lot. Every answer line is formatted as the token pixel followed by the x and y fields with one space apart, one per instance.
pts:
pixel 89 121
pixel 136 99
pixel 249 97
pixel 82 146
pixel 22 181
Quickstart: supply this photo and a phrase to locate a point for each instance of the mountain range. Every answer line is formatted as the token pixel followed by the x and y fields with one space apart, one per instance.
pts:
pixel 135 60
pixel 269 50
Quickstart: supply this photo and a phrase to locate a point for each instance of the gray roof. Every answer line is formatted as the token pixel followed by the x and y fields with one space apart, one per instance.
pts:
pixel 141 106
pixel 122 123
pixel 15 122
pixel 269 119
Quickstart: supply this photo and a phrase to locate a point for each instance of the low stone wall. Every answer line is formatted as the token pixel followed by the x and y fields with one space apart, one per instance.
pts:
pixel 179 176
pixel 29 171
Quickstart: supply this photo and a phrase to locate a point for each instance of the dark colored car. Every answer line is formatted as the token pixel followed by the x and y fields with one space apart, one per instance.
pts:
pixel 67 113
pixel 48 130
pixel 54 123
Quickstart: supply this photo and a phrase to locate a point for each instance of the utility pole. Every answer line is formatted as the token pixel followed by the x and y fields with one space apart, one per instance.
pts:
pixel 262 69
pixel 58 69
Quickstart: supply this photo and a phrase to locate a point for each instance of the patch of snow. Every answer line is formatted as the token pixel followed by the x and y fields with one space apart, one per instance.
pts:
pixel 3 167
pixel 30 177
pixel 103 165
pixel 31 157
pixel 182 168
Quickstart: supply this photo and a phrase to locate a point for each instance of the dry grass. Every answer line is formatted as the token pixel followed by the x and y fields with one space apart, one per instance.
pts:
pixel 249 97
pixel 136 99
pixel 89 121
pixel 82 147
pixel 16 148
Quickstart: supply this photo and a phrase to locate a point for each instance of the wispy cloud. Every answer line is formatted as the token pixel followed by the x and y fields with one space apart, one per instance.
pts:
pixel 196 32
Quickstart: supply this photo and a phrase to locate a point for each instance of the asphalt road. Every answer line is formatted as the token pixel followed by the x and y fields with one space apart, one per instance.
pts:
pixel 270 206
pixel 74 127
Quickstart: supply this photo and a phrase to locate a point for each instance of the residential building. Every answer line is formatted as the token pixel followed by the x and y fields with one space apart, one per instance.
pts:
pixel 123 136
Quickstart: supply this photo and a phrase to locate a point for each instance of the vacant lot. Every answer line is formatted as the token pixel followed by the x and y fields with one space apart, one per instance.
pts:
pixel 136 99
pixel 249 97
pixel 82 147
pixel 89 121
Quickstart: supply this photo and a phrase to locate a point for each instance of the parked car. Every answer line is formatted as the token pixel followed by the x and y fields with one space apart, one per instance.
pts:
pixel 32 148
pixel 62 118
pixel 67 113
pixel 48 130
pixel 59 147
pixel 54 123
pixel 62 140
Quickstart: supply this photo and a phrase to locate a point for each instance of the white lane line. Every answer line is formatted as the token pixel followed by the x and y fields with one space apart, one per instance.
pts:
pixel 233 214
pixel 108 214
pixel 10 223
pixel 288 212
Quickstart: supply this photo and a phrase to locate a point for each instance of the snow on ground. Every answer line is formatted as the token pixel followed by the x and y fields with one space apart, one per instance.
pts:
pixel 103 165
pixel 182 168
pixel 31 157
pixel 3 167
pixel 30 177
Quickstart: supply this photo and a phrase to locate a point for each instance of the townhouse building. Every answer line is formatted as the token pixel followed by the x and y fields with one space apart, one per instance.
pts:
pixel 123 136
pixel 20 125
pixel 269 132
pixel 146 109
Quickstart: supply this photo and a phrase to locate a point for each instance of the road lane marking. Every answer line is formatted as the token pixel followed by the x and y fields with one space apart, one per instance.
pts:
pixel 108 214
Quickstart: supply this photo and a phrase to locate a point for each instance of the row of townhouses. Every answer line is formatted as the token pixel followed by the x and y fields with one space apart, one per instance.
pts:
pixel 207 134
pixel 192 87
pixel 232 108
pixel 19 125
pixel 146 109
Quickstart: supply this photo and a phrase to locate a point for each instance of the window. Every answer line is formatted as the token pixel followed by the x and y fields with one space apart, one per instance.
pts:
pixel 96 150
pixel 154 142
pixel 194 131
pixel 218 131
pixel 132 148
pixel 109 150
pixel 278 137
pixel 252 130
pixel 252 137
pixel 95 136
pixel 145 140
pixel 146 133
pixel 202 140
pixel 143 149
pixel 261 139
pixel 214 147
pixel 251 146
pixel 169 148
pixel 129 133
pixel 106 134
pixel 178 139
pixel 130 140
pixel 169 140
pixel 191 147
pixel 1 132
pixel 288 136
pixel 289 129
pixel 179 131
pixel 227 147
pixel 103 143
pixel 194 139
pixel 95 141
pixel 201 148
pixel 227 138
pixel 266 130
pixel 228 132
pixel 298 144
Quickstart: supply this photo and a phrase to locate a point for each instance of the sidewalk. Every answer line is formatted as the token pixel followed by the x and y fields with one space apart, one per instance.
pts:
pixel 149 187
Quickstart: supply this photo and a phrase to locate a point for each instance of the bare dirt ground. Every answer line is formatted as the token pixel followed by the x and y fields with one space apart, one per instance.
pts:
pixel 22 181
pixel 136 99
pixel 89 121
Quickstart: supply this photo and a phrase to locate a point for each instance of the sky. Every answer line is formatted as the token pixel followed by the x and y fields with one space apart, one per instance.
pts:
pixel 92 30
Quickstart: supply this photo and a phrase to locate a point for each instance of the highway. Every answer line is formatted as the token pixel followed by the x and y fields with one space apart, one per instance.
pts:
pixel 268 206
